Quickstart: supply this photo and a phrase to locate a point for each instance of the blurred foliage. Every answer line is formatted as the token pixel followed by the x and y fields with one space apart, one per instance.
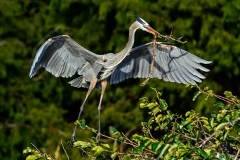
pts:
pixel 184 137
pixel 42 110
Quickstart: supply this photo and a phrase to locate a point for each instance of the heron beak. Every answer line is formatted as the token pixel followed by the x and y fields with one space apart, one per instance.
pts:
pixel 152 31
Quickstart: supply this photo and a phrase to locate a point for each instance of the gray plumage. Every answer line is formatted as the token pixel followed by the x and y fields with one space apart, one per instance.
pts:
pixel 63 57
pixel 171 64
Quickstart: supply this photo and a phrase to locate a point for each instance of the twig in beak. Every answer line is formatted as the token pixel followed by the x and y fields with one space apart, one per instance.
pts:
pixel 153 60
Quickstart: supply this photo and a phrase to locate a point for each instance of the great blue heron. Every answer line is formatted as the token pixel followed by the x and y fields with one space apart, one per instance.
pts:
pixel 63 57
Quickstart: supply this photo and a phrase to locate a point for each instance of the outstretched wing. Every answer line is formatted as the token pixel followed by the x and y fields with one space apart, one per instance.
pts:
pixel 61 56
pixel 171 64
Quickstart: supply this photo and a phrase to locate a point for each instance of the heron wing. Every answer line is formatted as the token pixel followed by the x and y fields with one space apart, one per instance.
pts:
pixel 171 64
pixel 61 56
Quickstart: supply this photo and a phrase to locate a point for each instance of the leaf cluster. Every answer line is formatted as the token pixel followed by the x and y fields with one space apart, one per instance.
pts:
pixel 185 137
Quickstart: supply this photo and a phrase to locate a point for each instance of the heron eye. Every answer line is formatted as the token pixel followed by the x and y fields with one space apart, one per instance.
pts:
pixel 103 59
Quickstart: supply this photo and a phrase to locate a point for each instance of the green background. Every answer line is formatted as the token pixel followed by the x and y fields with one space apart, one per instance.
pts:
pixel 42 110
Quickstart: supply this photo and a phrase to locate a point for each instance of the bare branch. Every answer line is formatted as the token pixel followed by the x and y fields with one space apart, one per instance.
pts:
pixel 64 150
pixel 153 60
pixel 219 97
pixel 235 158
pixel 170 37
pixel 209 138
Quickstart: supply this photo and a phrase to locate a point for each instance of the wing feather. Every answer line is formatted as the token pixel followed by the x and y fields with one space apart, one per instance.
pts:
pixel 61 56
pixel 171 64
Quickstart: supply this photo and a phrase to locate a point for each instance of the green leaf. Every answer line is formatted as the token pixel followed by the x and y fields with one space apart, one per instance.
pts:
pixel 188 113
pixel 156 146
pixel 175 145
pixel 155 111
pixel 144 143
pixel 235 115
pixel 163 148
pixel 212 124
pixel 184 122
pixel 203 153
pixel 114 155
pixel 93 140
pixel 220 116
pixel 218 104
pixel 210 92
pixel 225 134
pixel 125 157
pixel 82 144
pixel 228 94
pixel 227 117
pixel 144 124
pixel 189 127
pixel 209 151
pixel 142 105
pixel 98 149
pixel 205 122
pixel 219 126
pixel 175 138
pixel 188 84
pixel 207 127
pixel 27 150
pixel 106 145
pixel 196 94
pixel 206 98
pixel 136 138
pixel 181 151
pixel 159 118
pixel 166 137
pixel 121 139
pixel 32 157
pixel 113 132
pixel 213 115
pixel 151 105
pixel 163 104
pixel 81 123
pixel 206 88
pixel 180 144
pixel 169 113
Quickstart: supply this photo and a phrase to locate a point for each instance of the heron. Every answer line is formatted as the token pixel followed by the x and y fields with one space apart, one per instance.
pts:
pixel 63 57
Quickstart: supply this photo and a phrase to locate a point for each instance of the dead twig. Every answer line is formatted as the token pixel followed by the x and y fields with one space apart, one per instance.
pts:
pixel 235 158
pixel 153 60
pixel 219 97
pixel 64 150
pixel 209 138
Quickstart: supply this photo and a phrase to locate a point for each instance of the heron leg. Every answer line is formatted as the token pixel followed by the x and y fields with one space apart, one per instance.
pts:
pixel 91 87
pixel 104 84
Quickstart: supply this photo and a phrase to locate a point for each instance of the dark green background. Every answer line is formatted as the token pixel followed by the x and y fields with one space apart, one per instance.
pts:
pixel 42 110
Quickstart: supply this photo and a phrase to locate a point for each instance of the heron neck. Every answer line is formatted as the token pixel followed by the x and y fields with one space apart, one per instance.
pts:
pixel 118 57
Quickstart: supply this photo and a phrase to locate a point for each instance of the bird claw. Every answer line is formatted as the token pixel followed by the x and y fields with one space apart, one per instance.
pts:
pixel 98 137
pixel 71 142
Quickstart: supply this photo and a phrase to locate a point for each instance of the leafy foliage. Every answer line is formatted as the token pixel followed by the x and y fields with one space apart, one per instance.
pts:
pixel 185 137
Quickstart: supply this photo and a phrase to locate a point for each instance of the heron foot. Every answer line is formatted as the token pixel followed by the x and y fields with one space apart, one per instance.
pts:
pixel 71 142
pixel 98 137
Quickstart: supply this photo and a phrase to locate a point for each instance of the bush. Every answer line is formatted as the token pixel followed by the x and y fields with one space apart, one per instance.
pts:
pixel 169 136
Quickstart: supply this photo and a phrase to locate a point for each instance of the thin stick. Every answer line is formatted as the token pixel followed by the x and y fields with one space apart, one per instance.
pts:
pixel 237 155
pixel 35 148
pixel 64 150
pixel 209 138
pixel 166 37
pixel 153 60
pixel 219 97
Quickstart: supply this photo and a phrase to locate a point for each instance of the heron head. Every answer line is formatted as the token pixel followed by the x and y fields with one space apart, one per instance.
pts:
pixel 146 27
